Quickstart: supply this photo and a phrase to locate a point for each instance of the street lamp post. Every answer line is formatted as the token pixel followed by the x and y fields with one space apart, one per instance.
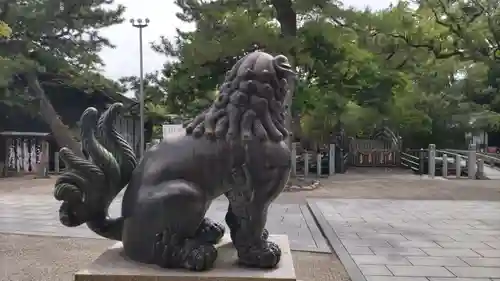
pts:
pixel 140 23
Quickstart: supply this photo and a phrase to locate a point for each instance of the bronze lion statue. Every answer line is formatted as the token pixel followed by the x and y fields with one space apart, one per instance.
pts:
pixel 234 148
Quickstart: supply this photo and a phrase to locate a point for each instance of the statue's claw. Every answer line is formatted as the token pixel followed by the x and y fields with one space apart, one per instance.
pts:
pixel 267 255
pixel 201 258
pixel 210 231
pixel 172 252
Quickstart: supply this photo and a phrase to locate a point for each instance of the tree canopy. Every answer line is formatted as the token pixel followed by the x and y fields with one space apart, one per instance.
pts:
pixel 425 68
pixel 55 37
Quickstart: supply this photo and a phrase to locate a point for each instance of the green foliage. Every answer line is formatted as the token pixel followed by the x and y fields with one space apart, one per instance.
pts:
pixel 5 30
pixel 430 70
pixel 55 38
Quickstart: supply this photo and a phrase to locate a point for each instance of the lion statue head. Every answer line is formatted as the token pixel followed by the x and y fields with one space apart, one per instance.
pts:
pixel 250 103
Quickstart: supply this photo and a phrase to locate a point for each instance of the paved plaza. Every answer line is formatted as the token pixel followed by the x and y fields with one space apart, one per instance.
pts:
pixel 413 240
pixel 38 214
pixel 402 234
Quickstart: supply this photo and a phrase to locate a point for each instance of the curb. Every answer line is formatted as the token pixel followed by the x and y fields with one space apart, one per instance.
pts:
pixel 333 240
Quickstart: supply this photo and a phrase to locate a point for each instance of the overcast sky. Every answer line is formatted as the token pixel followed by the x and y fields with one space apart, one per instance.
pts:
pixel 124 59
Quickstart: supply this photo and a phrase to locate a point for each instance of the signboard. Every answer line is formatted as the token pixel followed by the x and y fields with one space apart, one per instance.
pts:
pixel 171 129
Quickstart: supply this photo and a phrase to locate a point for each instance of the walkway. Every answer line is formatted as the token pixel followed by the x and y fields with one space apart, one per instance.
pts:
pixel 392 237
pixel 410 240
pixel 491 173
pixel 38 215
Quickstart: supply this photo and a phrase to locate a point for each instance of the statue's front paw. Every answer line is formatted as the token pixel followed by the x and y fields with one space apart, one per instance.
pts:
pixel 210 231
pixel 201 257
pixel 267 255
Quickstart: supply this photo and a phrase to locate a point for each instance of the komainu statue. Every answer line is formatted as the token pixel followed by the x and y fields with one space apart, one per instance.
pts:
pixel 234 148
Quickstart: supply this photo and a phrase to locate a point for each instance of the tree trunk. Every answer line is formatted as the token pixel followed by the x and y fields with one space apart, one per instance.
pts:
pixel 61 132
pixel 287 18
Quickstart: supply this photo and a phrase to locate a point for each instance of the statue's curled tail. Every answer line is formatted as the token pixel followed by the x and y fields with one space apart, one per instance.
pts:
pixel 88 186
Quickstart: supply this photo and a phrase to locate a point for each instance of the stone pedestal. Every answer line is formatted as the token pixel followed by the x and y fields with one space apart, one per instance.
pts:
pixel 112 265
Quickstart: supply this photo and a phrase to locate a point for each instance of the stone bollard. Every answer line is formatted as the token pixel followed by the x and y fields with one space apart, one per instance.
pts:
pixel 341 160
pixel 43 166
pixel 480 169
pixel 444 171
pixel 421 161
pixel 56 162
pixel 306 164
pixel 432 160
pixel 294 159
pixel 471 161
pixel 318 164
pixel 458 166
pixel 331 160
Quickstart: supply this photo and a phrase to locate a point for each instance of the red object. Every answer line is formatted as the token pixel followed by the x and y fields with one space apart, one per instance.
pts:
pixel 492 149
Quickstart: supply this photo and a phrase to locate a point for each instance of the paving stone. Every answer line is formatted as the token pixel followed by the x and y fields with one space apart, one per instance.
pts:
pixel 451 226
pixel 475 272
pixel 463 236
pixel 494 262
pixel 429 237
pixel 450 252
pixel 394 278
pixel 463 222
pixel 359 250
pixel 415 244
pixel 382 236
pixel 365 242
pixel 419 271
pixel 494 245
pixel 437 261
pixel 398 251
pixel 474 238
pixel 38 214
pixel 411 225
pixel 488 253
pixel 380 259
pixel 481 232
pixel 379 270
pixel 458 279
pixel 347 235
pixel 464 245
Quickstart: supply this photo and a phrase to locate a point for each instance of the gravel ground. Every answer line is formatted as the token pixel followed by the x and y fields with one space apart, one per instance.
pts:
pixel 40 258
pixel 368 183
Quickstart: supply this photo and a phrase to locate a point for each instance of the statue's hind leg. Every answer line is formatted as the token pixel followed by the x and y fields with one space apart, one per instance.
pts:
pixel 164 225
pixel 233 221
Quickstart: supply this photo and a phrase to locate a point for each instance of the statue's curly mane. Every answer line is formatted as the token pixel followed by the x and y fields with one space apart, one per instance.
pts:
pixel 250 102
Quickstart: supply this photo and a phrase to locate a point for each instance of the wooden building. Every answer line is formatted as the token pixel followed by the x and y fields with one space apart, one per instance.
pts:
pixel 23 136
